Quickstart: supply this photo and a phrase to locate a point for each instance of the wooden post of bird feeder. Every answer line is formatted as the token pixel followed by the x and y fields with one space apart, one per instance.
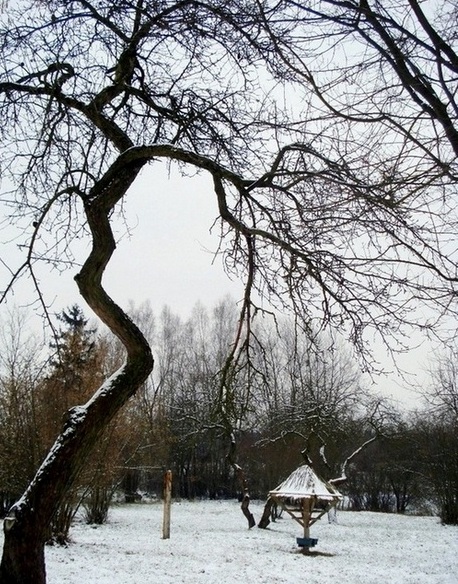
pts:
pixel 306 515
pixel 167 504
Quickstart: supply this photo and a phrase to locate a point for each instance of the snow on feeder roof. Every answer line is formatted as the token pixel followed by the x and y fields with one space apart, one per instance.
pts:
pixel 304 482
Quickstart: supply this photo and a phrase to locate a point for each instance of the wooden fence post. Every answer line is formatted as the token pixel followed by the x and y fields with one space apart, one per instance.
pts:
pixel 167 504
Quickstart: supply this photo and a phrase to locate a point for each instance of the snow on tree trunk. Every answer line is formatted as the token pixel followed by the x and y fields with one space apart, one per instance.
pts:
pixel 332 515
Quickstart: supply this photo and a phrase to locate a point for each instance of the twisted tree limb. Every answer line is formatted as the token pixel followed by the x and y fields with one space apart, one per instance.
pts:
pixel 26 524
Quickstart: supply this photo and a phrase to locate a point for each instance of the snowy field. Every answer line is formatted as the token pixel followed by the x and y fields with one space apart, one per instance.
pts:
pixel 210 544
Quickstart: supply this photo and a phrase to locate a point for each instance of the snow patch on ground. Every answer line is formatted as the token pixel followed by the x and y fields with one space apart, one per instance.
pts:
pixel 210 544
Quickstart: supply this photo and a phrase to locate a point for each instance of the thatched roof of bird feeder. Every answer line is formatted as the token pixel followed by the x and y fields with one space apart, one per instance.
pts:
pixel 305 483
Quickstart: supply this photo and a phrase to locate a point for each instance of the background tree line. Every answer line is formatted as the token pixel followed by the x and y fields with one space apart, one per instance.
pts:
pixel 303 393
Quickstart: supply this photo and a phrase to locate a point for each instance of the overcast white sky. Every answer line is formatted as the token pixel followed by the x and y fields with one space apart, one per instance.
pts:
pixel 169 258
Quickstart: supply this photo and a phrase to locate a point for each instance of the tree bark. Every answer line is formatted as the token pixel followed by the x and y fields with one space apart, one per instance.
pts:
pixel 243 482
pixel 267 513
pixel 23 556
pixel 245 506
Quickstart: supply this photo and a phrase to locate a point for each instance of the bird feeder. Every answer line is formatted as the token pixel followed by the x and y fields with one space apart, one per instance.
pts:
pixel 306 498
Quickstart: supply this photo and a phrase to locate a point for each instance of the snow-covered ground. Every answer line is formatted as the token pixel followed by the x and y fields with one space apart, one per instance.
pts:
pixel 210 544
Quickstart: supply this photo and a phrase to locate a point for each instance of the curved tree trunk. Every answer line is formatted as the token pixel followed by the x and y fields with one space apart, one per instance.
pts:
pixel 27 522
pixel 266 514
pixel 243 482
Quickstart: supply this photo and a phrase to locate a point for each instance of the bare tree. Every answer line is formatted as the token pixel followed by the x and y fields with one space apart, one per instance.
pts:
pixel 438 435
pixel 343 206
pixel 442 396
pixel 311 384
pixel 190 355
pixel 21 368
pixel 313 406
